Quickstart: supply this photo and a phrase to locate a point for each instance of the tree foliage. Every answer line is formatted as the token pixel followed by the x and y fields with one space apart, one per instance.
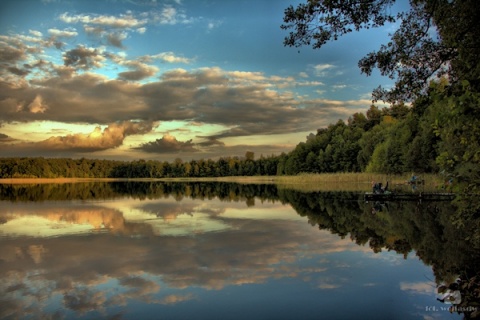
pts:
pixel 434 37
pixel 93 168
pixel 457 126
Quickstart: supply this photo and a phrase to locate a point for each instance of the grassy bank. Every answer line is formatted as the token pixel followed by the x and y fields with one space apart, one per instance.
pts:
pixel 304 182
pixel 353 181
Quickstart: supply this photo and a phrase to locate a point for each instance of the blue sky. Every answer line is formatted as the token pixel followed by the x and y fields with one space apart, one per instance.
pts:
pixel 169 79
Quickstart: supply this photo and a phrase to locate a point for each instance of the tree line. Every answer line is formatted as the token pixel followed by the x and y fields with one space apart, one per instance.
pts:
pixel 40 167
pixel 433 55
pixel 437 133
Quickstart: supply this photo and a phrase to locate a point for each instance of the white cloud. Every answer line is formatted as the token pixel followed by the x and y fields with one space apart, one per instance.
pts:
pixel 339 86
pixel 35 33
pixel 213 25
pixel 303 75
pixel 170 57
pixel 328 286
pixel 322 70
pixel 247 76
pixel 25 38
pixel 123 21
pixel 67 33
pixel 170 15
pixel 310 83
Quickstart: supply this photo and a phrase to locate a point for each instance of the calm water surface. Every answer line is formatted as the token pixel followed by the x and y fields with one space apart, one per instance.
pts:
pixel 216 251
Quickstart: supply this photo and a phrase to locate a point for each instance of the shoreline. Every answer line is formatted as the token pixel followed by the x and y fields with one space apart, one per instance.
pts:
pixel 298 179
pixel 260 179
pixel 52 180
pixel 304 182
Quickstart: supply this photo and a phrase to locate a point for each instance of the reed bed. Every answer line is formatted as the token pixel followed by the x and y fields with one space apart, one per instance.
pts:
pixel 355 181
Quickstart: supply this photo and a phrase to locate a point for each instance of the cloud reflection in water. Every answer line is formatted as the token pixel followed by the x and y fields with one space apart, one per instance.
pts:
pixel 93 258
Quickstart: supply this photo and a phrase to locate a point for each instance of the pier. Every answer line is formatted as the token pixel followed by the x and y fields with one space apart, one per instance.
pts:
pixel 418 196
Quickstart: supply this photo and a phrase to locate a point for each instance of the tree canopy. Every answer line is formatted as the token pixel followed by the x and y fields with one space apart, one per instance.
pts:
pixel 434 38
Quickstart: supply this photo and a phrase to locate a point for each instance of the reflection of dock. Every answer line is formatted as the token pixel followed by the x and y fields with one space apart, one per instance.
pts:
pixel 420 196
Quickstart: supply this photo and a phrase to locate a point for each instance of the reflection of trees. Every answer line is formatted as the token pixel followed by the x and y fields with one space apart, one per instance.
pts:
pixel 140 190
pixel 426 228
pixel 54 191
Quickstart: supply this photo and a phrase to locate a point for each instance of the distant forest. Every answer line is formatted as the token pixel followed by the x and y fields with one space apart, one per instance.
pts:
pixel 438 133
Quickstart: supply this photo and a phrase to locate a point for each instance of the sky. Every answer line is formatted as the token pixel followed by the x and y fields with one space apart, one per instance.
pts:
pixel 167 79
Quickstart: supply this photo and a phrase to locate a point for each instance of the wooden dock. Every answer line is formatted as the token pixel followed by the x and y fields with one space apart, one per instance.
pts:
pixel 413 196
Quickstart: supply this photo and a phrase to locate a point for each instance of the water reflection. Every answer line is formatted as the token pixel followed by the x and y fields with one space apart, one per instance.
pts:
pixel 152 250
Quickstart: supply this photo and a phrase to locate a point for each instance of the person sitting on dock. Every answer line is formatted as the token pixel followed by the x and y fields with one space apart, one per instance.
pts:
pixel 378 189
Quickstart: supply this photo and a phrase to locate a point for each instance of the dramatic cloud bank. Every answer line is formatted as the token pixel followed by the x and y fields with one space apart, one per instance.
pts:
pixel 83 69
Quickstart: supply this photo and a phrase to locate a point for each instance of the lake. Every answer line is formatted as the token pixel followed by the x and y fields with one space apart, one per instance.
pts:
pixel 151 250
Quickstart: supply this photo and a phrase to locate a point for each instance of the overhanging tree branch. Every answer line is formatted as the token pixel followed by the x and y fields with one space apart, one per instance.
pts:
pixel 435 37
